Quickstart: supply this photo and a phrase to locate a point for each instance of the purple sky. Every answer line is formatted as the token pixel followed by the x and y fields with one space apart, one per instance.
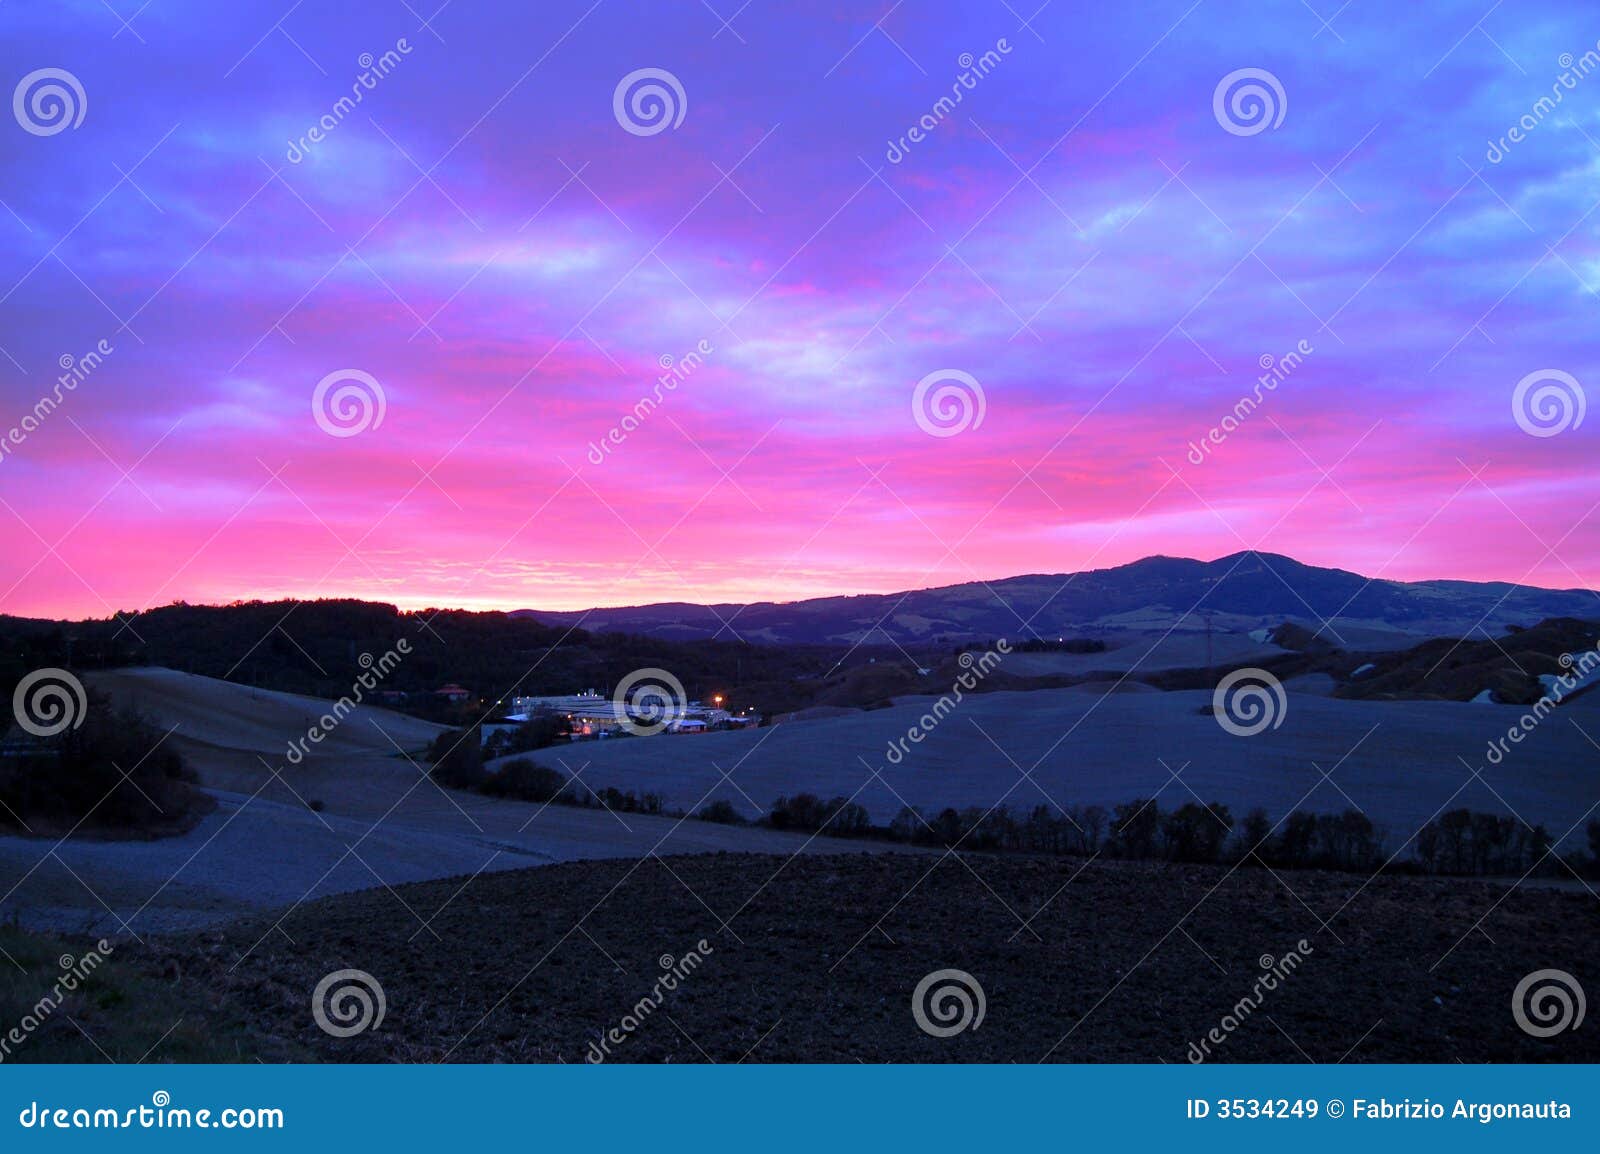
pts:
pixel 1105 259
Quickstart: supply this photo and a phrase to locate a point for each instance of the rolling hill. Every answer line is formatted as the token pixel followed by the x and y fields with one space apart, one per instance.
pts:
pixel 1245 589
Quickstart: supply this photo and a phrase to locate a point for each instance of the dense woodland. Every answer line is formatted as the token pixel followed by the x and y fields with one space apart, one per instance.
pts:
pixel 314 648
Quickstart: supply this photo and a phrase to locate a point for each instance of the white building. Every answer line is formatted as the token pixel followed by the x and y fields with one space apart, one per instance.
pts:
pixel 592 714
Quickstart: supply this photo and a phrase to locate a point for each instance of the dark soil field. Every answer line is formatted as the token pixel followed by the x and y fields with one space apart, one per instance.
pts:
pixel 816 958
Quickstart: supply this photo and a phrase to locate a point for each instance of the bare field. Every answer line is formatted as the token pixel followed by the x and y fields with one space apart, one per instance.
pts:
pixel 816 958
pixel 1399 762
pixel 231 716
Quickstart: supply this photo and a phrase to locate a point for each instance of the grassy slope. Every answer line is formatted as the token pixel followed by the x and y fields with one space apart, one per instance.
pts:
pixel 122 1010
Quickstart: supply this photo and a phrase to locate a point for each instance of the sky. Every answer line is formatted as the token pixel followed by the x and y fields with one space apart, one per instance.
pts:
pixel 411 348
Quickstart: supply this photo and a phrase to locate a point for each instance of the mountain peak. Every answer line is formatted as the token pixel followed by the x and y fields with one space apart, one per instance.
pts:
pixel 1253 588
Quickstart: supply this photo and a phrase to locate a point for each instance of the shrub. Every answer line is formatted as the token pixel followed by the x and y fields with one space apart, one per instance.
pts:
pixel 722 812
pixel 114 771
pixel 457 757
pixel 525 780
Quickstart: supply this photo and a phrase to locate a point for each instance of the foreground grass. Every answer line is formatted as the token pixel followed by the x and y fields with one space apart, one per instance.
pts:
pixel 67 1000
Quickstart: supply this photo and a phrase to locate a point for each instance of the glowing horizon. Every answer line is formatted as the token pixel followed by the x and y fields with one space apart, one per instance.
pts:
pixel 1091 245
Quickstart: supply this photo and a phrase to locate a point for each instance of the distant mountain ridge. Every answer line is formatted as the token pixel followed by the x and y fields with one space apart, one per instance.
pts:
pixel 1240 591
